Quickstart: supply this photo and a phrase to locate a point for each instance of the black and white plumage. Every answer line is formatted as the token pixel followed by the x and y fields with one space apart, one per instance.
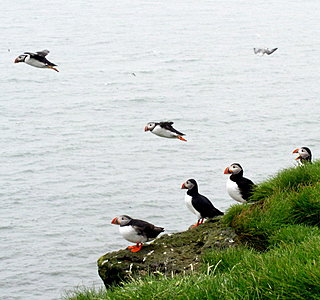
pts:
pixel 198 204
pixel 136 231
pixel 263 51
pixel 164 129
pixel 37 59
pixel 238 187
pixel 305 155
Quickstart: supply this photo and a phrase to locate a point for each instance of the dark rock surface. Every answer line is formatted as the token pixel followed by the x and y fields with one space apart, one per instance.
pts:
pixel 169 254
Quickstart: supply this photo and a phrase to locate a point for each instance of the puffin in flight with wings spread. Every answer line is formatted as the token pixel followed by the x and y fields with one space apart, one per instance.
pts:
pixel 37 60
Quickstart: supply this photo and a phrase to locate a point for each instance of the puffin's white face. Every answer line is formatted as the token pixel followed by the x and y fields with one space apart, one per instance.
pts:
pixel 122 220
pixel 150 126
pixel 233 169
pixel 303 153
pixel 20 58
pixel 189 184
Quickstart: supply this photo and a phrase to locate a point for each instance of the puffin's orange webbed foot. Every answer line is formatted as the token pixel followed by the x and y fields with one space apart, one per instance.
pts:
pixel 181 138
pixel 50 67
pixel 136 248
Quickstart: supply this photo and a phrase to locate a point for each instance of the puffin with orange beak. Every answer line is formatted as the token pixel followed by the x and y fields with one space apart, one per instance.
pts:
pixel 198 204
pixel 304 154
pixel 37 60
pixel 238 187
pixel 136 231
pixel 164 129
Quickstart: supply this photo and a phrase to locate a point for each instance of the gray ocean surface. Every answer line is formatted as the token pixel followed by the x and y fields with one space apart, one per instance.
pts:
pixel 73 151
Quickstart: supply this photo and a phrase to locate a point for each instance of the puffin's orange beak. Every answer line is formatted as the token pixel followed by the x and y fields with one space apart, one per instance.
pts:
pixel 183 186
pixel 16 60
pixel 115 221
pixel 227 171
pixel 146 128
pixel 297 151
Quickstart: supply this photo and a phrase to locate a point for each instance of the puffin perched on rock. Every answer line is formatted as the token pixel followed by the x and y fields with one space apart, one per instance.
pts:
pixel 136 231
pixel 164 129
pixel 37 59
pixel 238 187
pixel 304 154
pixel 198 204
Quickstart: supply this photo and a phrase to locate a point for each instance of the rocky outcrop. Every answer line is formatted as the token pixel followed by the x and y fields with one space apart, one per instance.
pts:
pixel 170 254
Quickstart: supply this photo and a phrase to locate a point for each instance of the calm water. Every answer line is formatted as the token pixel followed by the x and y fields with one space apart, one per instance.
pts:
pixel 73 151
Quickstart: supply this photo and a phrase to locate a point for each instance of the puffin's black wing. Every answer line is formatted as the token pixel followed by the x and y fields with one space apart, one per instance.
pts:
pixel 146 229
pixel 40 58
pixel 43 53
pixel 168 126
pixel 246 187
pixel 204 206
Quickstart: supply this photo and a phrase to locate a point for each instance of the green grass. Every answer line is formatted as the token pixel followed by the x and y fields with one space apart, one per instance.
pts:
pixel 283 221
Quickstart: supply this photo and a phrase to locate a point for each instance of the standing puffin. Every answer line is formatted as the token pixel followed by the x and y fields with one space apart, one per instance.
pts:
pixel 238 187
pixel 136 231
pixel 164 129
pixel 198 204
pixel 37 60
pixel 304 155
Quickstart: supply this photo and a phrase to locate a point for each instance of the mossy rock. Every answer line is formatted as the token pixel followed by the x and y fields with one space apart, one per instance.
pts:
pixel 169 254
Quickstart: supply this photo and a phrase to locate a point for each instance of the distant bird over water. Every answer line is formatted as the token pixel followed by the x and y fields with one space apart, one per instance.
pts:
pixel 304 154
pixel 263 51
pixel 164 129
pixel 37 59
pixel 136 231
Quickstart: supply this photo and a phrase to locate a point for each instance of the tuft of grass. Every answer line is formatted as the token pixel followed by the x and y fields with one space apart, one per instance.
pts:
pixel 292 197
pixel 292 179
pixel 293 234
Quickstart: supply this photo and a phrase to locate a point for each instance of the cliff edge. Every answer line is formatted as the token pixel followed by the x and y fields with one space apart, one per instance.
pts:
pixel 169 254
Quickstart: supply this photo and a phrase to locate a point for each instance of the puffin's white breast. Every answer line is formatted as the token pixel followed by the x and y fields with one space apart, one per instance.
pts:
pixel 233 191
pixel 188 200
pixel 164 132
pixel 35 63
pixel 131 235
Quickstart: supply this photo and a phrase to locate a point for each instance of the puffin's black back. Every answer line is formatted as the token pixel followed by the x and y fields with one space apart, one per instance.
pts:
pixel 168 126
pixel 245 185
pixel 201 203
pixel 41 58
pixel 204 206
pixel 145 228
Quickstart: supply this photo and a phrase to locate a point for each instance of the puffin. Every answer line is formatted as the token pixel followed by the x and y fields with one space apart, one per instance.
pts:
pixel 238 187
pixel 198 204
pixel 164 129
pixel 304 154
pixel 37 60
pixel 136 231
pixel 263 51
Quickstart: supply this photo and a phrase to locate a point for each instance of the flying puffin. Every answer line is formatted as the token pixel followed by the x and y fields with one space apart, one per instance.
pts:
pixel 198 204
pixel 164 129
pixel 304 155
pixel 136 231
pixel 37 60
pixel 238 187
pixel 263 51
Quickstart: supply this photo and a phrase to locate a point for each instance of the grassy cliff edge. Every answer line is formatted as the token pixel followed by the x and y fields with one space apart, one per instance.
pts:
pixel 278 256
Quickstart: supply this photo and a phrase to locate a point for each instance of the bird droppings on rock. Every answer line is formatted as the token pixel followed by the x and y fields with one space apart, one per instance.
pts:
pixel 185 249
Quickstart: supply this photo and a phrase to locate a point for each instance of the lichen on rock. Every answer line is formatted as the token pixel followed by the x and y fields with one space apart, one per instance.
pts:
pixel 169 254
